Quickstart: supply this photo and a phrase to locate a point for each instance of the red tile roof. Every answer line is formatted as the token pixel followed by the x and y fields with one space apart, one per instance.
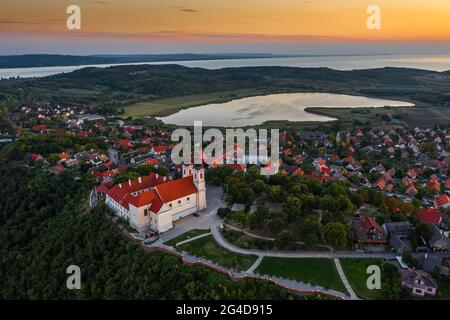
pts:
pixel 144 198
pixel 149 181
pixel 429 216
pixel 441 200
pixel 152 162
pixel 159 149
pixel 120 195
pixel 176 189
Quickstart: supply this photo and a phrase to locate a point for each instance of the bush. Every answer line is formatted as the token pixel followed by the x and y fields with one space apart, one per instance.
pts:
pixel 223 212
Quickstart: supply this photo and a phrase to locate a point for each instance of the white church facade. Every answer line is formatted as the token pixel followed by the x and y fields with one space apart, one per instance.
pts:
pixel 154 202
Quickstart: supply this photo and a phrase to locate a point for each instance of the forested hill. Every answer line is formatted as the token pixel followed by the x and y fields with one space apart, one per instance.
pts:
pixel 107 89
pixel 45 226
pixel 51 60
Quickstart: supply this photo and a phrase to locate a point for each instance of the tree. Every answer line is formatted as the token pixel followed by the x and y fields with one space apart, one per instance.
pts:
pixel 257 220
pixel 284 238
pixel 275 193
pixel 409 260
pixel 391 288
pixel 223 212
pixel 424 230
pixel 336 234
pixel 292 207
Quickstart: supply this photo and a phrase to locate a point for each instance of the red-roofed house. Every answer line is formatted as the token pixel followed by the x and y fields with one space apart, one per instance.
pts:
pixel 150 202
pixel 411 191
pixel 435 185
pixel 124 143
pixel 429 216
pixel 368 231
pixel 64 155
pixel 447 183
pixel 443 201
pixel 159 149
pixel 36 156
pixel 152 162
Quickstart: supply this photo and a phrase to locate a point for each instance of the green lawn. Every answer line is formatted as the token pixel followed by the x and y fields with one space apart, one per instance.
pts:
pixel 187 235
pixel 207 247
pixel 316 271
pixel 356 272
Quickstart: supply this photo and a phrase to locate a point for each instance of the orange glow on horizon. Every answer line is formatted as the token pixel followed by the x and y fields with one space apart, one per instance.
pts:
pixel 233 21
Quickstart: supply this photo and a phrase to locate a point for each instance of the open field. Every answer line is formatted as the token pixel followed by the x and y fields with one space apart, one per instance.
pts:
pixel 185 236
pixel 315 271
pixel 207 248
pixel 356 273
pixel 164 107
pixel 425 116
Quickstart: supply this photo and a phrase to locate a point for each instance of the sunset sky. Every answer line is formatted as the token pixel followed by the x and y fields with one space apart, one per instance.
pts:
pixel 281 26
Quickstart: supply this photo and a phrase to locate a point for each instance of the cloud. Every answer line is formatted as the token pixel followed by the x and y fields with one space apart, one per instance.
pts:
pixel 184 9
pixel 189 10
pixel 10 21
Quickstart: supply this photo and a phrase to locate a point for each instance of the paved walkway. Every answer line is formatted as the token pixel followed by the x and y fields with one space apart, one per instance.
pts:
pixel 310 254
pixel 192 239
pixel 255 265
pixel 344 279
pixel 297 286
pixel 270 253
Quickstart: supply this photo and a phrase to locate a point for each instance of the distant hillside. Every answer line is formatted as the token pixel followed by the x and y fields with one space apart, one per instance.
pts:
pixel 108 89
pixel 52 60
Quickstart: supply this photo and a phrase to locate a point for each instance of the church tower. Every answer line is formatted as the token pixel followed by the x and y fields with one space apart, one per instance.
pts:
pixel 199 182
pixel 188 170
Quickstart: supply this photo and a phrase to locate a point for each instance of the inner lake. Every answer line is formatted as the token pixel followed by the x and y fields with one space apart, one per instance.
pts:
pixel 275 107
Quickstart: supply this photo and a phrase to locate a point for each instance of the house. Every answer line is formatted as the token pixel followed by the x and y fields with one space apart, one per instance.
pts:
pixel 432 216
pixel 378 169
pixel 155 204
pixel 36 156
pixel 399 233
pixel 447 183
pixel 434 184
pixel 401 228
pixel 420 282
pixel 368 231
pixel 159 149
pixel 58 169
pixel 400 245
pixel 438 241
pixel 442 201
pixel 321 166
pixel 381 183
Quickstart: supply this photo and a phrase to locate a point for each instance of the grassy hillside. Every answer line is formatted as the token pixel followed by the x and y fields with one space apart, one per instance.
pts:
pixel 111 89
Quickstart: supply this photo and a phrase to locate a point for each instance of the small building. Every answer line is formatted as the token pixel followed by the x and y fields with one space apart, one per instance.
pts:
pixel 368 231
pixel 420 282
pixel 438 241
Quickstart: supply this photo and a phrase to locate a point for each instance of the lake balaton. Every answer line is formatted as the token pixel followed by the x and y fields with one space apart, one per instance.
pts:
pixel 275 107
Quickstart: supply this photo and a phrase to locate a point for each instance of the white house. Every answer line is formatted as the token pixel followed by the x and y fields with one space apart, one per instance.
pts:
pixel 152 202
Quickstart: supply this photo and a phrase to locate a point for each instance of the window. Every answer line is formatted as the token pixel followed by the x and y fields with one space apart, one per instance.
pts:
pixel 179 202
pixel 188 199
pixel 145 212
pixel 201 175
pixel 170 205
